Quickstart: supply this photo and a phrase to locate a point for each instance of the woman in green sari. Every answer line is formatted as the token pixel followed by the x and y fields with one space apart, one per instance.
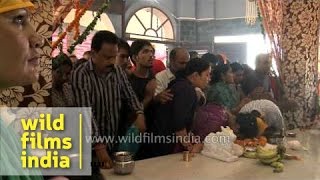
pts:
pixel 18 66
pixel 220 91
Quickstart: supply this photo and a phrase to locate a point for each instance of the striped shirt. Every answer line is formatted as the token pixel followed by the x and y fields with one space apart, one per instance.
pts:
pixel 104 94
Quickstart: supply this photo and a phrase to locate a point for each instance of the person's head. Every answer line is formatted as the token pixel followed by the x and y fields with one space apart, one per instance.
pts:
pixel 247 70
pixel 247 124
pixel 263 63
pixel 87 55
pixel 73 58
pixel 142 53
pixel 198 73
pixel 251 124
pixel 211 59
pixel 193 54
pixel 237 70
pixel 122 59
pixel 61 69
pixel 221 59
pixel 104 48
pixel 179 58
pixel 18 44
pixel 223 73
pixel 79 62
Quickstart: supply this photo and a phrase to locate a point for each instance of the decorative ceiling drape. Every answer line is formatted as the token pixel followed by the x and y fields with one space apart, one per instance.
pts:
pixel 271 12
pixel 61 9
pixel 293 29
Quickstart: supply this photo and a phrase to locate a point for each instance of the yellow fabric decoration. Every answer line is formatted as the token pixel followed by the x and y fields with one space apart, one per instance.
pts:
pixel 10 5
pixel 262 126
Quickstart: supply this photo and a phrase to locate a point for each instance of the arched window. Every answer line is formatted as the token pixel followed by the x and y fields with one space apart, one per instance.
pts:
pixel 150 23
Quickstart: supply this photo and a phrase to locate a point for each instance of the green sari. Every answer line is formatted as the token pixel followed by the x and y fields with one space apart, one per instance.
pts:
pixel 10 152
pixel 221 93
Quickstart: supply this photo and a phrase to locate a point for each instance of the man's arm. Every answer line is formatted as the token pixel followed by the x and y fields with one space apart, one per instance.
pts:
pixel 162 94
pixel 160 85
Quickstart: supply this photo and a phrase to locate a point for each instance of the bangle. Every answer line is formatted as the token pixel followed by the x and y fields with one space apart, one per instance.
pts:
pixel 139 112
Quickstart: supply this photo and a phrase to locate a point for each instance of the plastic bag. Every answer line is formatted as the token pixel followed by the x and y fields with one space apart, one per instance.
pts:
pixel 224 149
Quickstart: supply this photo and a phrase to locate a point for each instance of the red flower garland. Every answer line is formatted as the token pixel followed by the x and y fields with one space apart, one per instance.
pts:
pixel 77 26
pixel 73 23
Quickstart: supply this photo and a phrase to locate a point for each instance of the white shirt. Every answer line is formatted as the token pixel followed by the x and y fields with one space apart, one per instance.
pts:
pixel 163 79
pixel 273 116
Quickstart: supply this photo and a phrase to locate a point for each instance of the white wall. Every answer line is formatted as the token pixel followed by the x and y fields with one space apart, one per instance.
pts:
pixel 169 4
pixel 186 8
pixel 205 9
pixel 230 8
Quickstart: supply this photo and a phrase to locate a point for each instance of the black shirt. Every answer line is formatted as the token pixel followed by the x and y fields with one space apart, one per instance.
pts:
pixel 174 115
pixel 139 85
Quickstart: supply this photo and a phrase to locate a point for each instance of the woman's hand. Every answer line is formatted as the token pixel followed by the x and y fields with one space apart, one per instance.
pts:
pixel 197 148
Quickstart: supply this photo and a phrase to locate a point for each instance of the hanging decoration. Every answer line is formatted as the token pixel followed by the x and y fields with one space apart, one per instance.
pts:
pixel 251 12
pixel 272 13
pixel 60 10
pixel 90 27
pixel 73 23
pixel 61 44
pixel 77 25
pixel 261 23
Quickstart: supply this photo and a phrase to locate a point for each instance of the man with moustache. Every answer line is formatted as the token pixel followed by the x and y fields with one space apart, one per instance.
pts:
pixel 101 85
pixel 142 79
pixel 144 85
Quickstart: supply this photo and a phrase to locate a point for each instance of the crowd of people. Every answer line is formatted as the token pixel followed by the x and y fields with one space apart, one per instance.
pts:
pixel 127 89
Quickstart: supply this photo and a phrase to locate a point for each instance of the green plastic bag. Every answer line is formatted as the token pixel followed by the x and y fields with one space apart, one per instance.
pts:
pixel 129 143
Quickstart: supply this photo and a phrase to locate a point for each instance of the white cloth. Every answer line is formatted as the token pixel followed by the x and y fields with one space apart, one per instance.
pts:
pixel 273 116
pixel 163 79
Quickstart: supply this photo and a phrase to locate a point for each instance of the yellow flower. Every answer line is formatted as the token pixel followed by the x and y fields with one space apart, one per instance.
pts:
pixel 286 43
pixel 294 31
pixel 32 111
pixel 304 18
pixel 297 7
pixel 307 39
pixel 45 68
pixel 294 54
pixel 11 96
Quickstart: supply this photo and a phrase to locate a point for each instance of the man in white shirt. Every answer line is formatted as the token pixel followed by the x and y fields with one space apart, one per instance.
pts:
pixel 270 111
pixel 178 57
